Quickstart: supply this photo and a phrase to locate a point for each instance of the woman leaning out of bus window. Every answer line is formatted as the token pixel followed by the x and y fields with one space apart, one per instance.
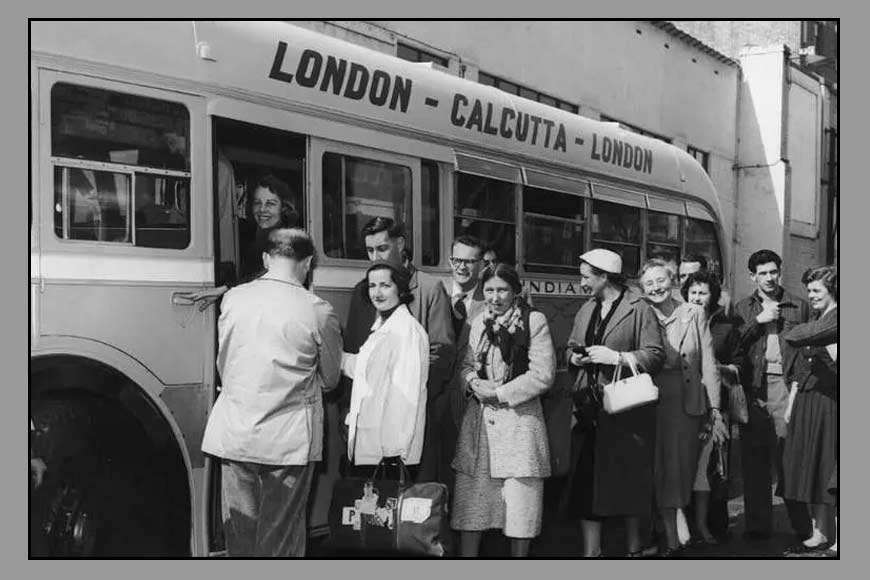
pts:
pixel 613 474
pixel 272 207
pixel 690 367
pixel 502 455
pixel 387 413
pixel 710 502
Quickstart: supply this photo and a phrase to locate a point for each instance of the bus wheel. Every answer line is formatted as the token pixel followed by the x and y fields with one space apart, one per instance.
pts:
pixel 104 492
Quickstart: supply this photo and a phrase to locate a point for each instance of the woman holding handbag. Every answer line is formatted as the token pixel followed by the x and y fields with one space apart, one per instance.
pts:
pixel 613 475
pixel 689 373
pixel 711 509
pixel 502 455
pixel 388 399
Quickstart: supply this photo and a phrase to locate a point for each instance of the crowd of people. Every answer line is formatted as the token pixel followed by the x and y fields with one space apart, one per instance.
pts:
pixel 447 379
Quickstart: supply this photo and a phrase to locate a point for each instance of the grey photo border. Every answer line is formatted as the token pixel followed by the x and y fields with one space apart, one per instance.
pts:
pixel 16 319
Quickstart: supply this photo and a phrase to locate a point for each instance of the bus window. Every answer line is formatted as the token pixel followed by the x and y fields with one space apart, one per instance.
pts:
pixel 664 238
pixel 701 239
pixel 431 226
pixel 616 227
pixel 553 230
pixel 356 190
pixel 485 208
pixel 92 205
pixel 147 144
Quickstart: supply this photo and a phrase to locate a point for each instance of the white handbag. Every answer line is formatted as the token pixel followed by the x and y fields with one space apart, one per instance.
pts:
pixel 634 391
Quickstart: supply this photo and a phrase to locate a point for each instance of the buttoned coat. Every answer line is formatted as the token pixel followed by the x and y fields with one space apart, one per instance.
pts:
pixel 702 383
pixel 633 328
pixel 515 428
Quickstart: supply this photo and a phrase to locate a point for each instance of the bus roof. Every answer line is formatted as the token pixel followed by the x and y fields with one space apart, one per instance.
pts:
pixel 282 62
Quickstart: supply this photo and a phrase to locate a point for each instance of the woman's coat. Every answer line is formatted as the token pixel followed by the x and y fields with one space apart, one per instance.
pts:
pixel 515 429
pixel 387 414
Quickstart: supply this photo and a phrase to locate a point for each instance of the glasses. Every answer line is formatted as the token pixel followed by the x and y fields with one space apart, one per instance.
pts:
pixel 457 262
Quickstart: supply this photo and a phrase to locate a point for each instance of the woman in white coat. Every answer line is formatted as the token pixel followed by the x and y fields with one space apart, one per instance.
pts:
pixel 502 455
pixel 387 414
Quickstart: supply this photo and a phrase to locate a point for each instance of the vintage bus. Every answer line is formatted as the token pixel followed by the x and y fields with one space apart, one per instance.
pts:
pixel 146 139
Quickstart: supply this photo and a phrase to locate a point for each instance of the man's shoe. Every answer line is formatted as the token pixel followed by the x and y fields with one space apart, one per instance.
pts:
pixel 756 536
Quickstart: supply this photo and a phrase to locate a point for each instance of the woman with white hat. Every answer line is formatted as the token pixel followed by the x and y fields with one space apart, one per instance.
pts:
pixel 614 473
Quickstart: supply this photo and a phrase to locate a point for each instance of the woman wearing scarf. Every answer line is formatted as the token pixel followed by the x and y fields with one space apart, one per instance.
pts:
pixel 502 456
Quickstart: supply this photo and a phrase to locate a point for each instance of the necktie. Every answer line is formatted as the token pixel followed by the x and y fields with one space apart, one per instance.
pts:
pixel 459 314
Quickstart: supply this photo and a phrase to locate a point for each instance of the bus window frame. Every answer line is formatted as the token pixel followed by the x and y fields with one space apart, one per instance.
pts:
pixel 318 147
pixel 200 197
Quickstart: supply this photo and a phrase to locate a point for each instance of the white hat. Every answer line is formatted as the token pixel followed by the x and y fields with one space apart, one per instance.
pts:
pixel 603 260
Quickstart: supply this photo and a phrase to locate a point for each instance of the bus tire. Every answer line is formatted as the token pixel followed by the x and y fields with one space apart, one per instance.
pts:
pixel 101 495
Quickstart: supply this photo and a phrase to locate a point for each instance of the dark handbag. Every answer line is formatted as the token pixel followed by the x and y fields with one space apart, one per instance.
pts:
pixel 374 515
pixel 717 471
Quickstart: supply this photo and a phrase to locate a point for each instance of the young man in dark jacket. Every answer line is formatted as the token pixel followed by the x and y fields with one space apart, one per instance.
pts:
pixel 766 315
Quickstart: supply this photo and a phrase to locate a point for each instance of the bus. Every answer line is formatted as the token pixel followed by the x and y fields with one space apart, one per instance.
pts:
pixel 146 138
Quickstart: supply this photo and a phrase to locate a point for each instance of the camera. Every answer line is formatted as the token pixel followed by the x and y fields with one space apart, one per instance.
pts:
pixel 581 350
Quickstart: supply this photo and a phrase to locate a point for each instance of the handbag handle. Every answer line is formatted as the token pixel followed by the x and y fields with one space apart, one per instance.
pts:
pixel 403 471
pixel 629 358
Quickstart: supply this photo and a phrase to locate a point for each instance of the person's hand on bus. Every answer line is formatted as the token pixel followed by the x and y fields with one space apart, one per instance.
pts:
pixel 207 296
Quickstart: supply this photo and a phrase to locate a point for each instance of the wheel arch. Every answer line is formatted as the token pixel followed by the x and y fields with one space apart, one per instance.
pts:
pixel 138 391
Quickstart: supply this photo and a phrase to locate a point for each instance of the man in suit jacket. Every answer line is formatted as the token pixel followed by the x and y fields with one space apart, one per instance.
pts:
pixel 385 240
pixel 466 300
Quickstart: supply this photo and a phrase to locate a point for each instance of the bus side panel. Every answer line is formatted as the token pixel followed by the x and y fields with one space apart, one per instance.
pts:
pixel 138 319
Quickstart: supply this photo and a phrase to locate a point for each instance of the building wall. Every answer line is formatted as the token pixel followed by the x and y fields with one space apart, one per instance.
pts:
pixel 732 36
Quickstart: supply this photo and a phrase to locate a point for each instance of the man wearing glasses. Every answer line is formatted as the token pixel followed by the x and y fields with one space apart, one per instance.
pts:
pixel 466 299
pixel 385 240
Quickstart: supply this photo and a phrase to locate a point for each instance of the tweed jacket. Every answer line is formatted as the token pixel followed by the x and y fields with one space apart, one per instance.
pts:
pixel 633 328
pixel 753 338
pixel 515 428
pixel 690 333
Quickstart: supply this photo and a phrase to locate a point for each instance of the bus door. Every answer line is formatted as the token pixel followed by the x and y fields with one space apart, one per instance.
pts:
pixel 251 163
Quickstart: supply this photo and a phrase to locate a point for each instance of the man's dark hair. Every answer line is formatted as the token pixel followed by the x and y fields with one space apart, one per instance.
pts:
pixel 383 224
pixel 692 258
pixel 763 257
pixel 470 241
pixel 828 277
pixel 703 277
pixel 290 243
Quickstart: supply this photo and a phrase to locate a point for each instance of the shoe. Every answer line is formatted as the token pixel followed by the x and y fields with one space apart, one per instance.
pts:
pixel 801 549
pixel 672 552
pixel 756 536
pixel 701 542
pixel 644 552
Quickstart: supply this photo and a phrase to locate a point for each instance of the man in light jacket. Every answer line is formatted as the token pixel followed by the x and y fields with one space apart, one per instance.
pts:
pixel 279 348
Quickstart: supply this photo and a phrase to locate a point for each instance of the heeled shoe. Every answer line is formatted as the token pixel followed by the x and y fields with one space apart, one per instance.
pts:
pixel 644 552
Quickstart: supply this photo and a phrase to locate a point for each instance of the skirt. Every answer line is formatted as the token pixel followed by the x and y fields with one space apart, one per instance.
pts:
pixel 513 505
pixel 810 453
pixel 678 444
pixel 613 475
